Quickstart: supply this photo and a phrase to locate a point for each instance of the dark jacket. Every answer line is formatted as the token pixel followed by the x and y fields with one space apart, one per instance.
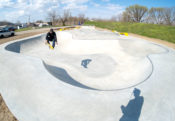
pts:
pixel 51 36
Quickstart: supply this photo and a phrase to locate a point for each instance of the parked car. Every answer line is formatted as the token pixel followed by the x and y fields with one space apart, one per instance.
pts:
pixel 11 28
pixel 6 33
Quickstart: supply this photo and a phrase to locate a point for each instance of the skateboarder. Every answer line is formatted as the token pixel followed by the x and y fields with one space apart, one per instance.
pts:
pixel 51 36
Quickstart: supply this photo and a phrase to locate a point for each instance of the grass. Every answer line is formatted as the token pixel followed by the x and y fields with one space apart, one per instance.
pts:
pixel 30 28
pixel 162 32
pixel 24 29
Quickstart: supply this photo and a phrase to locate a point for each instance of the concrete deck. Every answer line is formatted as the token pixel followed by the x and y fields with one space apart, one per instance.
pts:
pixel 91 75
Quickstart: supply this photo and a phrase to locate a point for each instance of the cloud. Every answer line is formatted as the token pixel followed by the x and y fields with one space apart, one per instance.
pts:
pixel 114 7
pixel 13 15
pixel 74 1
pixel 105 0
pixel 95 4
pixel 105 11
pixel 73 6
pixel 6 3
pixel 13 10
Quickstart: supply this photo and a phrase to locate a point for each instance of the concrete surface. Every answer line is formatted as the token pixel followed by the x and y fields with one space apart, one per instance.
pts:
pixel 91 75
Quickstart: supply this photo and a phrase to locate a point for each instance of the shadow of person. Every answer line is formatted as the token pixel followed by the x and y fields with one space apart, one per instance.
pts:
pixel 132 111
pixel 85 62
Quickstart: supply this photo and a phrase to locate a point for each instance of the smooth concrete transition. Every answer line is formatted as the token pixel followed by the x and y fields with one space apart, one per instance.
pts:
pixel 92 75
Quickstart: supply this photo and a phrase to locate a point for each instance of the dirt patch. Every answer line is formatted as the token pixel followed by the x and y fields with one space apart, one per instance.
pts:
pixel 5 114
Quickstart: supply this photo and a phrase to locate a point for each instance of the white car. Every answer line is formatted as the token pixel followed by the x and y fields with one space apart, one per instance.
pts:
pixel 6 33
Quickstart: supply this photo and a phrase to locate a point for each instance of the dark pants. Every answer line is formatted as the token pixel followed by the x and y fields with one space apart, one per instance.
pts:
pixel 53 42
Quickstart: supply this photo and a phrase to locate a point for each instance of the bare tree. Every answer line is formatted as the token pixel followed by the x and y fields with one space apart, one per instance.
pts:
pixel 119 17
pixel 169 15
pixel 2 23
pixel 65 17
pixel 136 12
pixel 53 16
pixel 156 15
pixel 113 18
pixel 126 17
pixel 75 20
pixel 81 18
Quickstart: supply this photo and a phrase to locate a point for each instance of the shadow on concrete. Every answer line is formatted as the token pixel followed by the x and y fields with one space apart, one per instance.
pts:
pixel 59 73
pixel 16 46
pixel 85 62
pixel 132 111
pixel 62 75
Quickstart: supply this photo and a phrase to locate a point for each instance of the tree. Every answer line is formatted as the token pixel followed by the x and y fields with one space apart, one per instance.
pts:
pixel 39 21
pixel 156 15
pixel 113 18
pixel 65 17
pixel 136 12
pixel 169 15
pixel 81 18
pixel 126 17
pixel 52 16
pixel 2 23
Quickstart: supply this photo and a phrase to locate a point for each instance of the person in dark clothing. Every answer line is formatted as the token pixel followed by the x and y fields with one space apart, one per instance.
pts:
pixel 51 37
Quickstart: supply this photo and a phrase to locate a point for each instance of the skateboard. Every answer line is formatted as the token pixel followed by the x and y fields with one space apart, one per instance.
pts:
pixel 50 46
pixel 123 33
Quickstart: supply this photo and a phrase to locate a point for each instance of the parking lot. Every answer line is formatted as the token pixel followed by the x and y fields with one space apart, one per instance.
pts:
pixel 23 34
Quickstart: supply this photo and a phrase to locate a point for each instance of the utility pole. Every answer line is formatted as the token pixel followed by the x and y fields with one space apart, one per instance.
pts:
pixel 29 20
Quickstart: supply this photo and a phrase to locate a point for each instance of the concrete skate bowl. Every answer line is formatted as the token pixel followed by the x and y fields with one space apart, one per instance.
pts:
pixel 111 62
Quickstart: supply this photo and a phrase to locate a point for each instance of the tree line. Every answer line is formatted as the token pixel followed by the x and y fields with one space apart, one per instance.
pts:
pixel 155 15
pixel 134 13
pixel 56 19
pixel 65 18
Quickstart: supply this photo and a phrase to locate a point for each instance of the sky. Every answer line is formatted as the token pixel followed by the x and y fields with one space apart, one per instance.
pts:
pixel 20 10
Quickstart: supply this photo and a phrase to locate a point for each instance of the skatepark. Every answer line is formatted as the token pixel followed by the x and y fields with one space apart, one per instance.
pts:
pixel 91 75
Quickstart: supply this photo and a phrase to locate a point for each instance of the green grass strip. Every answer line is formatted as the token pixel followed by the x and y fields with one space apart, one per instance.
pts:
pixel 162 32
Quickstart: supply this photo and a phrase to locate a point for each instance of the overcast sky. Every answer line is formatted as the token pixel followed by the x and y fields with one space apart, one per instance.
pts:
pixel 14 10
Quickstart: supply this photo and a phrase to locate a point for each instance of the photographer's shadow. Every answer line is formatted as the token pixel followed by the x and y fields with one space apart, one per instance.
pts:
pixel 132 111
